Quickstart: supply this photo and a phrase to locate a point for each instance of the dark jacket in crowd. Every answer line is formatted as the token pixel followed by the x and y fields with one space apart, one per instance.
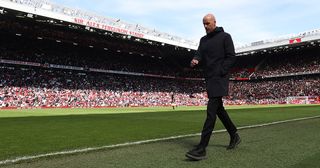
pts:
pixel 216 53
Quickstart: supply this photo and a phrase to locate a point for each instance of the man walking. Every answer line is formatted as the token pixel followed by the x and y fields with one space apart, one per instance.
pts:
pixel 216 52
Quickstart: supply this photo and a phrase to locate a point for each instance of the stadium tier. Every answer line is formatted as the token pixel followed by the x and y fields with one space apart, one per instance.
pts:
pixel 46 62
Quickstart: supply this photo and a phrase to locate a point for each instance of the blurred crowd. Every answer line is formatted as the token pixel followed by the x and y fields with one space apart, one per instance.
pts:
pixel 26 87
pixel 38 87
pixel 291 63
pixel 273 91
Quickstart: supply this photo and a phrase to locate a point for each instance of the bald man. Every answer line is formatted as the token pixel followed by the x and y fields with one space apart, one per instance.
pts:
pixel 216 52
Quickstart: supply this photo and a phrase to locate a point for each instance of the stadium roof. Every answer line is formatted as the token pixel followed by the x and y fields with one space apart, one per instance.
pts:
pixel 90 20
pixel 312 36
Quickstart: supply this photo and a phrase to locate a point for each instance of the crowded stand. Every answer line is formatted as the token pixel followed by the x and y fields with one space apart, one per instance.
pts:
pixel 28 87
pixel 52 64
pixel 291 61
pixel 273 91
pixel 295 62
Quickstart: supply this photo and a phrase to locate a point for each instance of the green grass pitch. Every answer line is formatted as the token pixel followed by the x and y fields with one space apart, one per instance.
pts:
pixel 33 132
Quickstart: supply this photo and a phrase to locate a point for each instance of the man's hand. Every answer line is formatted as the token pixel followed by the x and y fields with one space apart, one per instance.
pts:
pixel 194 62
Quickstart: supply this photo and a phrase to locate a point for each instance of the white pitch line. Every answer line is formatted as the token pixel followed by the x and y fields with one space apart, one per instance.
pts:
pixel 26 158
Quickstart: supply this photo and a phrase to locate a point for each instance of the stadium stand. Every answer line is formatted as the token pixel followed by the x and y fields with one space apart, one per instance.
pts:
pixel 28 87
pixel 274 90
pixel 47 63
pixel 289 61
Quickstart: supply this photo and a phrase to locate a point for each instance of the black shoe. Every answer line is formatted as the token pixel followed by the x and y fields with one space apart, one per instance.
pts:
pixel 198 153
pixel 234 141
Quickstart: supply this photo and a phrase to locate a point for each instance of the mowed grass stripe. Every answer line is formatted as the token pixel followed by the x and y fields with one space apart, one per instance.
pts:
pixel 312 161
pixel 25 136
pixel 77 151
pixel 286 145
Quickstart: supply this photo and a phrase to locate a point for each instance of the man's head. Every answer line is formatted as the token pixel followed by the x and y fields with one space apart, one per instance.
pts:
pixel 209 23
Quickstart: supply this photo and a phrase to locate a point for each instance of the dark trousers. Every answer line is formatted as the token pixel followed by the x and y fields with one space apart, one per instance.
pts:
pixel 215 108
